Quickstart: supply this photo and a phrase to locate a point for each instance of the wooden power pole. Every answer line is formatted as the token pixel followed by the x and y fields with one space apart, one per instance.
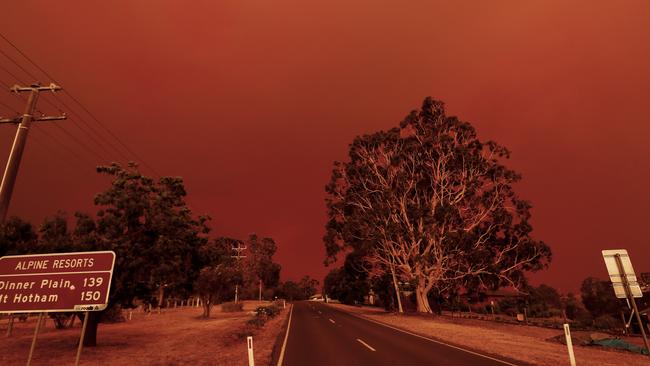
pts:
pixel 238 249
pixel 24 122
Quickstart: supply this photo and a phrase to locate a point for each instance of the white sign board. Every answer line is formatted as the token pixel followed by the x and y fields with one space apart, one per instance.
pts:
pixel 616 276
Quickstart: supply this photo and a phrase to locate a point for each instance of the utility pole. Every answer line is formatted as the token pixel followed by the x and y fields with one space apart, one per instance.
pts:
pixel 238 249
pixel 260 290
pixel 24 122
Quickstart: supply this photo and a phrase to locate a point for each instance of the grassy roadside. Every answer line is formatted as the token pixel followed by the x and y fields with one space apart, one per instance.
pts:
pixel 524 343
pixel 175 337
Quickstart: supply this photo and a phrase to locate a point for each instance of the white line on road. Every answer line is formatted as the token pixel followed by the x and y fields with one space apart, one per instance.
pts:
pixel 333 322
pixel 366 344
pixel 286 336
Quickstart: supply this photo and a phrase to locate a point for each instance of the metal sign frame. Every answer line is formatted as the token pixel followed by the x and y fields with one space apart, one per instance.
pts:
pixel 617 274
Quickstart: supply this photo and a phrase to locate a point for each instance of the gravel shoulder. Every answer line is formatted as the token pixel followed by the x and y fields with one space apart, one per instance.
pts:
pixel 175 337
pixel 529 344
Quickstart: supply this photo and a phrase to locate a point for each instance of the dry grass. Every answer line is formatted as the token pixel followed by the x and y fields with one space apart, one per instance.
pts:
pixel 524 343
pixel 175 337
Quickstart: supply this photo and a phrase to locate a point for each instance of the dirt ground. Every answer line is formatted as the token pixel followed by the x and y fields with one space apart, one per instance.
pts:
pixel 519 342
pixel 175 337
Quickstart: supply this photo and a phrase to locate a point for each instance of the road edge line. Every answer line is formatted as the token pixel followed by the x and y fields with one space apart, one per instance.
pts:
pixel 431 339
pixel 286 337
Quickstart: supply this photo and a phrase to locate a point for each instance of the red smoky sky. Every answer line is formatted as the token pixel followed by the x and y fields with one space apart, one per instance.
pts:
pixel 251 102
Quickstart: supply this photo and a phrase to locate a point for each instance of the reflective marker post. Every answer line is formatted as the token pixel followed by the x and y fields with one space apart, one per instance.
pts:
pixel 251 359
pixel 569 344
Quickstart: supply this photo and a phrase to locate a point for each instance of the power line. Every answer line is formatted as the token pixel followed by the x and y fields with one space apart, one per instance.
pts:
pixel 90 127
pixel 57 141
pixel 9 108
pixel 83 107
pixel 111 133
pixel 12 74
pixel 74 138
pixel 19 66
pixel 50 151
pixel 74 121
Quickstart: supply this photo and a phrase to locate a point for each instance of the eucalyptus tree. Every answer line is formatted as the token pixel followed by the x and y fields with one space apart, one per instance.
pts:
pixel 152 231
pixel 433 204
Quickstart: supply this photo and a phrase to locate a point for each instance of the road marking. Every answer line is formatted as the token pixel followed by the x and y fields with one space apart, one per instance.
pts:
pixel 367 345
pixel 333 322
pixel 433 340
pixel 286 336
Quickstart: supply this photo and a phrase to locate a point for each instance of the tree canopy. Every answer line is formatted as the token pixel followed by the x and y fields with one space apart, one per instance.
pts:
pixel 141 219
pixel 433 202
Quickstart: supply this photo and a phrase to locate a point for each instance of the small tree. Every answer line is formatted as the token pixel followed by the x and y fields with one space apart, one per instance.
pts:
pixel 350 284
pixel 599 298
pixel 290 291
pixel 216 283
pixel 259 266
pixel 543 301
pixel 16 236
pixel 308 286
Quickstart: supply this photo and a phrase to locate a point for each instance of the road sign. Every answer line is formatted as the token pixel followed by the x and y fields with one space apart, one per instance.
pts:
pixel 616 273
pixel 55 282
pixel 625 284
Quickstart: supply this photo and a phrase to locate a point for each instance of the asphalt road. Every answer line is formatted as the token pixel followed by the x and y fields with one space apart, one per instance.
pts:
pixel 322 335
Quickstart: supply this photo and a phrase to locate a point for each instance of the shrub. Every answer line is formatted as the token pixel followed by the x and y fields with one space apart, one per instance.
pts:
pixel 269 311
pixel 279 303
pixel 606 322
pixel 113 315
pixel 583 318
pixel 61 319
pixel 231 307
pixel 257 321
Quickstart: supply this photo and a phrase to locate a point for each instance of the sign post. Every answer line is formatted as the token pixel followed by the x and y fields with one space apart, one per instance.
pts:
pixel 10 326
pixel 36 329
pixel 81 339
pixel 57 282
pixel 624 282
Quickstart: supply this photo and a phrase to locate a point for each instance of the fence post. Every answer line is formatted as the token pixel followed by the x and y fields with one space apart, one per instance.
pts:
pixel 251 359
pixel 569 344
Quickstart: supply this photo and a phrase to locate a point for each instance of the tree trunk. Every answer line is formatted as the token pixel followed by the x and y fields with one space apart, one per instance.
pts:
pixel 422 300
pixel 207 305
pixel 161 295
pixel 90 338
pixel 397 292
